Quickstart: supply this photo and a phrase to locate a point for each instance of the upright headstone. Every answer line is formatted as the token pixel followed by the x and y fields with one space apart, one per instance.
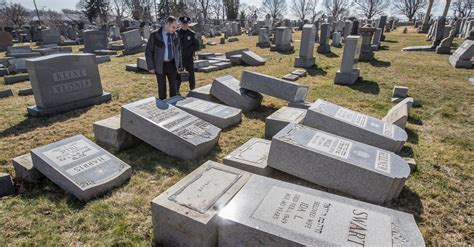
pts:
pixel 263 38
pixel 282 39
pixel 381 24
pixel 348 75
pixel 64 82
pixel 347 29
pixel 94 40
pixel 366 53
pixel 132 41
pixel 444 46
pixel 306 58
pixel 6 40
pixel 350 124
pixel 439 31
pixel 186 213
pixel 273 86
pixel 80 167
pixel 462 57
pixel 270 212
pixel 50 36
pixel 376 44
pixel 324 47
pixel 336 39
pixel 227 89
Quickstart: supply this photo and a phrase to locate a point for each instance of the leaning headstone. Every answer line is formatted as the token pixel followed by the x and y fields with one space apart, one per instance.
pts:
pixel 270 212
pixel 273 86
pixel 227 89
pixel 64 82
pixel 25 171
pixel 111 136
pixel 462 57
pixel 252 59
pixel 132 41
pixel 338 163
pixel 282 40
pixel 306 58
pixel 324 46
pixel 6 93
pixel 168 128
pixel 341 121
pixel 217 114
pixel 398 115
pixel 348 75
pixel 263 38
pixel 80 167
pixel 281 118
pixel 6 40
pixel 439 31
pixel 203 93
pixel 7 187
pixel 50 36
pixel 186 213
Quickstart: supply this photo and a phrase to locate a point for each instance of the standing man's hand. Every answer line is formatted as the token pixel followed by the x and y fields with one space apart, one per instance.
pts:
pixel 151 71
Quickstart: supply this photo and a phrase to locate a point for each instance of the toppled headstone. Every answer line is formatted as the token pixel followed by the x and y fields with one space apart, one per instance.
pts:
pixel 200 64
pixel 203 93
pixel 338 163
pixel 168 128
pixel 80 167
pixel 398 115
pixel 251 156
pixel 186 213
pixel 299 72
pixel 462 57
pixel 219 115
pixel 281 118
pixel 273 86
pixel 411 162
pixel 109 135
pixel 64 82
pixel 236 59
pixel 25 171
pixel 233 39
pixel 102 59
pixel 270 212
pixel 300 104
pixel 341 121
pixel 252 59
pixel 235 52
pixel 227 89
pixel 6 93
pixel 7 187
pixel 132 67
pixel 21 52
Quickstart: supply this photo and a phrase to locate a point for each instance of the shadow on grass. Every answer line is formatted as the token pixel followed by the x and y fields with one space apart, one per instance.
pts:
pixel 365 86
pixel 384 48
pixel 390 41
pixel 412 136
pixel 261 112
pixel 408 201
pixel 378 63
pixel 414 120
pixel 313 71
pixel 406 152
pixel 286 52
pixel 330 54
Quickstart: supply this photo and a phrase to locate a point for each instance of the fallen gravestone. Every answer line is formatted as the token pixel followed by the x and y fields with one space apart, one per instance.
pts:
pixel 80 167
pixel 234 52
pixel 273 86
pixel 25 171
pixel 227 90
pixel 341 121
pixel 186 213
pixel 203 93
pixel 111 136
pixel 290 77
pixel 252 59
pixel 299 72
pixel 21 52
pixel 251 157
pixel 399 92
pixel 348 75
pixel 6 93
pixel 338 163
pixel 7 187
pixel 270 212
pixel 219 115
pixel 462 57
pixel 168 128
pixel 64 82
pixel 398 115
pixel 281 118
pixel 300 104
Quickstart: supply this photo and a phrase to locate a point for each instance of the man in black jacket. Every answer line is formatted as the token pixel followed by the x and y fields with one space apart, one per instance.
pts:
pixel 189 45
pixel 163 56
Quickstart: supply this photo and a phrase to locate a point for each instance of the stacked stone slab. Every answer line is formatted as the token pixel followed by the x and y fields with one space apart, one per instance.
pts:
pixel 133 42
pixel 219 115
pixel 338 163
pixel 263 38
pixel 111 136
pixel 168 128
pixel 281 118
pixel 306 58
pixel 350 124
pixel 273 86
pixel 348 75
pixel 269 212
pixel 64 82
pixel 282 40
pixel 251 157
pixel 227 90
pixel 324 46
pixel 203 93
pixel 80 167
pixel 252 59
pixel 462 57
pixel 186 213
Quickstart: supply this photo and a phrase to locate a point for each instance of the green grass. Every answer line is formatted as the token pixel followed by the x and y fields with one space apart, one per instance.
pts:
pixel 439 194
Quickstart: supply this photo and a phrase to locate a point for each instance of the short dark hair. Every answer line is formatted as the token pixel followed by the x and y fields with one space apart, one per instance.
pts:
pixel 170 19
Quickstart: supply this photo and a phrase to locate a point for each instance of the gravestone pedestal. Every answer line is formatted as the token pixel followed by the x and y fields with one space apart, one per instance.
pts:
pixel 108 134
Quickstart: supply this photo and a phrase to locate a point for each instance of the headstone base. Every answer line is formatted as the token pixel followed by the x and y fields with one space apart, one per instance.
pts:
pixel 282 48
pixel 366 56
pixel 263 44
pixel 443 50
pixel 134 50
pixel 25 171
pixel 7 187
pixel 6 93
pixel 102 59
pixel 346 78
pixel 39 112
pixel 305 62
pixel 323 49
pixel 109 135
pixel 25 91
pixel 105 52
pixel 456 63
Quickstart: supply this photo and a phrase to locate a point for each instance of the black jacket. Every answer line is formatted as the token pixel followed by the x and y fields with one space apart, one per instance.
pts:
pixel 155 51
pixel 189 43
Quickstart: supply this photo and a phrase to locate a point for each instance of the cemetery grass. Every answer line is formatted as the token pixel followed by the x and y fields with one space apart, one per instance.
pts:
pixel 439 193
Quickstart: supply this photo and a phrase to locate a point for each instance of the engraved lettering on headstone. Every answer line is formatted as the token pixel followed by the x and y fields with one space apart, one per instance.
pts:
pixel 351 117
pixel 69 74
pixel 388 129
pixel 88 165
pixel 382 161
pixel 71 86
pixel 254 153
pixel 330 144
pixel 70 152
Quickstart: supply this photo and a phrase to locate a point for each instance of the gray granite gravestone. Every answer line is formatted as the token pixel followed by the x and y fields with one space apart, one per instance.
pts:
pixel 306 58
pixel 6 40
pixel 64 82
pixel 324 46
pixel 132 41
pixel 227 90
pixel 347 29
pixel 141 63
pixel 235 52
pixel 376 44
pixel 168 128
pixel 24 169
pixel 348 75
pixel 282 40
pixel 338 163
pixel 80 167
pixel 341 121
pixel 366 53
pixel 281 118
pixel 382 24
pixel 108 134
pixel 95 41
pixel 336 39
pixel 186 213
pixel 203 93
pixel 251 156
pixel 269 212
pixel 444 46
pixel 21 52
pixel 252 59
pixel 219 115
pixel 236 59
pixel 273 86
pixel 398 115
pixel 7 187
pixel 462 57
pixel 50 36
pixel 263 38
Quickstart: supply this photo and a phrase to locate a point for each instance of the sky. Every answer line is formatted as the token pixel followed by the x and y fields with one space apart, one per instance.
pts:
pixel 71 4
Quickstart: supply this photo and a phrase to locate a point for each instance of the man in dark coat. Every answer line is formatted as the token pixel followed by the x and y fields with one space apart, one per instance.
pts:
pixel 189 45
pixel 163 56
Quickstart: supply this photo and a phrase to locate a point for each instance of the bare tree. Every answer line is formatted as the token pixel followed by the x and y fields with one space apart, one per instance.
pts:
pixel 216 8
pixel 51 18
pixel 337 8
pixel 118 8
pixel 274 7
pixel 371 8
pixel 231 8
pixel 462 8
pixel 204 7
pixel 409 8
pixel 15 14
pixel 302 8
pixel 446 8
pixel 314 12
